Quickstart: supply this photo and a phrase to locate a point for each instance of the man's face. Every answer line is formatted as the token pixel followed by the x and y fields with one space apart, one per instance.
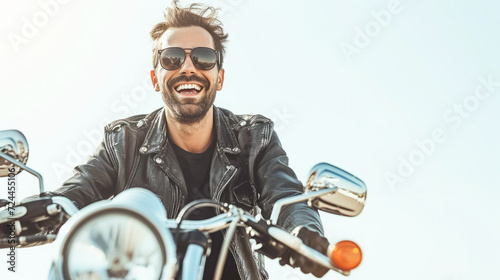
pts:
pixel 187 105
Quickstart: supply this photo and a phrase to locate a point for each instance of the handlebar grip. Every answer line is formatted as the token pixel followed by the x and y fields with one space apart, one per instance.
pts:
pixel 35 222
pixel 37 208
pixel 29 210
pixel 295 243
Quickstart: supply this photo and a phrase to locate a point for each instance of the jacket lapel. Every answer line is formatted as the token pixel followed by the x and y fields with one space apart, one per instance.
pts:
pixel 156 142
pixel 222 170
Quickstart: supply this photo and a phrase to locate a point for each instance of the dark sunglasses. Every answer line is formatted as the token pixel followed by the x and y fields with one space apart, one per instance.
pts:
pixel 203 58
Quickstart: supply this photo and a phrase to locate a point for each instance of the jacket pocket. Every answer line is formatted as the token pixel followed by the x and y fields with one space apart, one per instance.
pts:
pixel 245 195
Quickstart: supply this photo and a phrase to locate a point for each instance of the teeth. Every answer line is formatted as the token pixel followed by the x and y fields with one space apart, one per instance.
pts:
pixel 188 86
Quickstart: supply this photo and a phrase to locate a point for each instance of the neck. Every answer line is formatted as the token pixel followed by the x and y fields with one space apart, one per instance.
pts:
pixel 194 138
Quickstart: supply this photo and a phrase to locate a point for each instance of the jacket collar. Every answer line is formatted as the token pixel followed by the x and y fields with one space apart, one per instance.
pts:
pixel 156 137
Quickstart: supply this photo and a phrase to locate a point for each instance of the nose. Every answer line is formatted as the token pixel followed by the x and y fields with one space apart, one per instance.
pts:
pixel 188 66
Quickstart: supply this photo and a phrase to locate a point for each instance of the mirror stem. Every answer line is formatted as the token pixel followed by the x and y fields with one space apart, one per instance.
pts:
pixel 294 199
pixel 24 167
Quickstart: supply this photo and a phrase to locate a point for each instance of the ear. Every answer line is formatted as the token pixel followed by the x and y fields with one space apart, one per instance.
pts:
pixel 154 81
pixel 220 80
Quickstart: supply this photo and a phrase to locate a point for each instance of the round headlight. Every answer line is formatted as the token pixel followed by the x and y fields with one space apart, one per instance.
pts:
pixel 114 244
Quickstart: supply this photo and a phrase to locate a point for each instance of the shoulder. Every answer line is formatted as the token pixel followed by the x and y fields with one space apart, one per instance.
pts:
pixel 132 132
pixel 253 132
pixel 133 123
pixel 240 121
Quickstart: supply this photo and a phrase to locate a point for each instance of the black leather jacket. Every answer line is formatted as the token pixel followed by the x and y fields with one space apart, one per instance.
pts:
pixel 249 169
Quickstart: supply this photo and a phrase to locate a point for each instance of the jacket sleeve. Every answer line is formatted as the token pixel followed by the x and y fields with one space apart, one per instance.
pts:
pixel 92 181
pixel 274 180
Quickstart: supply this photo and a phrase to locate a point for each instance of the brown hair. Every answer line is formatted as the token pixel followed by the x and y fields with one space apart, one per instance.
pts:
pixel 195 15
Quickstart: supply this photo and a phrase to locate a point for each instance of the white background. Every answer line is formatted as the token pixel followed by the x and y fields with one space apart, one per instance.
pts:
pixel 371 111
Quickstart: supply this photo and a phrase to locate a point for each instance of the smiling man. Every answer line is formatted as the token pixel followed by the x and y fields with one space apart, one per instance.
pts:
pixel 188 75
pixel 191 149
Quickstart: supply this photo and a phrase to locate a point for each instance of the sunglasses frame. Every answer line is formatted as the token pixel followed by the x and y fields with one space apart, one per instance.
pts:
pixel 217 58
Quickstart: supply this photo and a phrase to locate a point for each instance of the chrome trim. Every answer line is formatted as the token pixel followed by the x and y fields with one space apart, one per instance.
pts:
pixel 14 149
pixel 210 225
pixel 294 199
pixel 349 197
pixel 194 255
pixel 66 204
pixel 24 167
pixel 53 209
pixel 13 143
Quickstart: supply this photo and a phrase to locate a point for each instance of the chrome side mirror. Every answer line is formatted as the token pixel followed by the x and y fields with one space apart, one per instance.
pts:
pixel 348 193
pixel 13 144
pixel 329 189
pixel 14 155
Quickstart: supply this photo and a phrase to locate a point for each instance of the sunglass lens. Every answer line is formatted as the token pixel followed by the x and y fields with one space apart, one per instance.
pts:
pixel 204 58
pixel 172 58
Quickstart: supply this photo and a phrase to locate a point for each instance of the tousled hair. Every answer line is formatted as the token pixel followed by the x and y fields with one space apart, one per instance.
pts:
pixel 194 15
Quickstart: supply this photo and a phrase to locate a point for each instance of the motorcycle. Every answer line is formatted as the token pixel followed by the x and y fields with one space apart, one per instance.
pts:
pixel 129 236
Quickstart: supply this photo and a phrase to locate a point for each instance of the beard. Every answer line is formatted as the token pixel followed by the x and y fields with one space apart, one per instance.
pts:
pixel 188 110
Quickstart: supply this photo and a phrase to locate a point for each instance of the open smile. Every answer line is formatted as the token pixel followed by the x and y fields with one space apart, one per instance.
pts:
pixel 188 88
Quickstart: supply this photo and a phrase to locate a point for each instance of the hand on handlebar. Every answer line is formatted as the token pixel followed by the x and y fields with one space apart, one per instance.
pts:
pixel 312 239
pixel 32 222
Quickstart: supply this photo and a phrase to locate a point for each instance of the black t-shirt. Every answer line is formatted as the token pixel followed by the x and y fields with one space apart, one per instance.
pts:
pixel 196 171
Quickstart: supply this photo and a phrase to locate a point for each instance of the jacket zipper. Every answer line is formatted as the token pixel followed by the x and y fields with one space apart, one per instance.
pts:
pixel 221 189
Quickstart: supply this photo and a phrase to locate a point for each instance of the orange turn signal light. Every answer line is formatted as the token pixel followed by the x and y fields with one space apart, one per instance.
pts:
pixel 346 255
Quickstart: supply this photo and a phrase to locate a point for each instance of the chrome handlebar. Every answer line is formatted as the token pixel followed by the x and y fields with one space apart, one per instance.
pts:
pixel 224 220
